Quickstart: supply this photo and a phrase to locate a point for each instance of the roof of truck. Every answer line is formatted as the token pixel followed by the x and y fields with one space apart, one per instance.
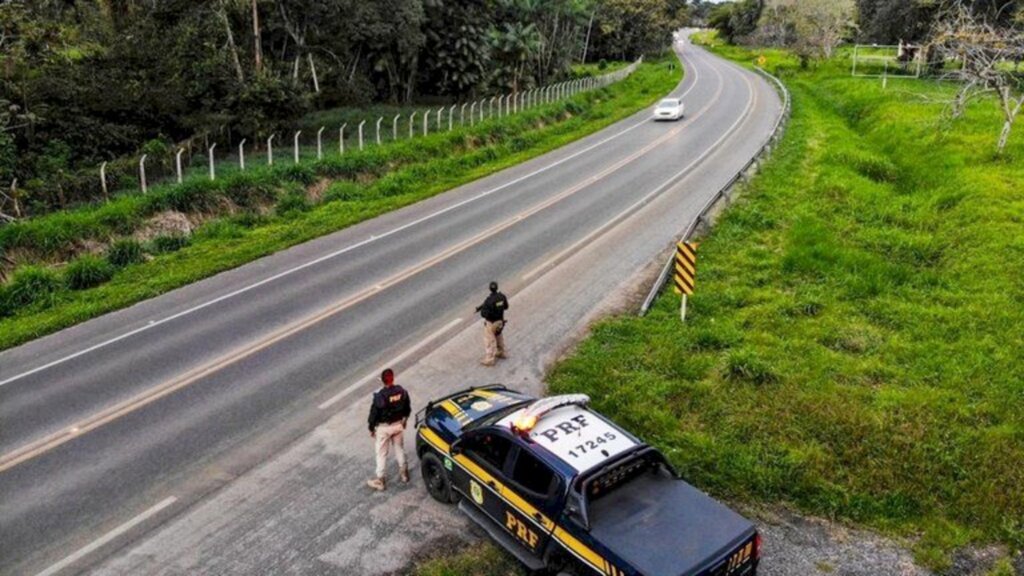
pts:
pixel 576 435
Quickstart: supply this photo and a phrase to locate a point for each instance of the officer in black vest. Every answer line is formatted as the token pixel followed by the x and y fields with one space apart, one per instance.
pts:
pixel 388 415
pixel 493 312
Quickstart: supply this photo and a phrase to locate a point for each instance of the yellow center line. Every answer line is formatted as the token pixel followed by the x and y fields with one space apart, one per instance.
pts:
pixel 52 441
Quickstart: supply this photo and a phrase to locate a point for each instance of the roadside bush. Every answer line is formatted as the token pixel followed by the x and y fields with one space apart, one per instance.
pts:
pixel 29 285
pixel 168 243
pixel 292 203
pixel 86 272
pixel 125 252
pixel 344 190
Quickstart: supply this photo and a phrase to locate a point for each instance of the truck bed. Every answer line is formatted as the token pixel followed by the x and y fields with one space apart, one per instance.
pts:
pixel 665 527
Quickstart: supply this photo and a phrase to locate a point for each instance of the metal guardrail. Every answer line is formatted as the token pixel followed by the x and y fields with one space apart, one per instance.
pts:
pixel 723 194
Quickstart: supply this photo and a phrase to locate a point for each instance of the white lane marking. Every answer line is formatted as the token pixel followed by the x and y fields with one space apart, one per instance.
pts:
pixel 751 102
pixel 397 359
pixel 332 255
pixel 50 442
pixel 108 537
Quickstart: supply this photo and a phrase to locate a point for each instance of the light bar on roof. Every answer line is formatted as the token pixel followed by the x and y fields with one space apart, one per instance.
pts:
pixel 528 418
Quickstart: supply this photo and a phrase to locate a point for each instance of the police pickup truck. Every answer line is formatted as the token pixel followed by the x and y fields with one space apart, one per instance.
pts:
pixel 566 490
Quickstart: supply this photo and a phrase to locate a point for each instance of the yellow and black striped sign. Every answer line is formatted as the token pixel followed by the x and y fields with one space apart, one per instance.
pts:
pixel 686 267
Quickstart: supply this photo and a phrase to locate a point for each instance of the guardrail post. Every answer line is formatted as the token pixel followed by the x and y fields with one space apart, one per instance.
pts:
pixel 295 146
pixel 241 155
pixel 177 163
pixel 379 120
pixel 270 150
pixel 213 175
pixel 142 173
pixel 320 143
pixel 341 139
pixel 361 134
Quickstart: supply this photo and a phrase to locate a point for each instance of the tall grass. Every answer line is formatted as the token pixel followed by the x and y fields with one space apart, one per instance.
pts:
pixel 359 186
pixel 854 347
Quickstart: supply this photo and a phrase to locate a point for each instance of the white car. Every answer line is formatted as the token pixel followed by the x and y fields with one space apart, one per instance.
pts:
pixel 669 109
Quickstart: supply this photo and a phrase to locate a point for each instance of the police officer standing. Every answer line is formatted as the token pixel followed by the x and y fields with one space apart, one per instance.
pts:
pixel 493 312
pixel 388 415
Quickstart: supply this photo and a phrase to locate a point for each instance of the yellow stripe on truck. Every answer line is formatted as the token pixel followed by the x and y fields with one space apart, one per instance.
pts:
pixel 580 550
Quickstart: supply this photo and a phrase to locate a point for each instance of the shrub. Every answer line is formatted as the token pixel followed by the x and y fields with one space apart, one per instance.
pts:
pixel 292 203
pixel 30 284
pixel 345 190
pixel 125 252
pixel 86 272
pixel 168 243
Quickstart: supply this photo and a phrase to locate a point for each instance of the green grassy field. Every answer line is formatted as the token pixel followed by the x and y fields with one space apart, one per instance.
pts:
pixel 855 347
pixel 267 209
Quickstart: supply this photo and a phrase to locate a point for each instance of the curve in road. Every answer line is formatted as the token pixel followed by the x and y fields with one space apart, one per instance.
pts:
pixel 185 392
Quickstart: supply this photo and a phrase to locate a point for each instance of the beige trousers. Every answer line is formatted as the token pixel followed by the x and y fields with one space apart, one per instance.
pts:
pixel 385 437
pixel 494 343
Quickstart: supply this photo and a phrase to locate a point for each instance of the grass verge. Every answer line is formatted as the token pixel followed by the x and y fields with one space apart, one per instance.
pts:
pixel 481 559
pixel 855 347
pixel 348 189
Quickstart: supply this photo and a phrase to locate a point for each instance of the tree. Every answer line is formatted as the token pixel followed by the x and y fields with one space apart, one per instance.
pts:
pixel 629 28
pixel 983 49
pixel 736 20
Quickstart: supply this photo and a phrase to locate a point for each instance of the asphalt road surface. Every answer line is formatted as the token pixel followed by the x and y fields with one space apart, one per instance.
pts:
pixel 220 428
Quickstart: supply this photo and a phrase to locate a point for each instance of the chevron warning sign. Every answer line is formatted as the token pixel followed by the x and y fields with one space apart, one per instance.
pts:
pixel 685 267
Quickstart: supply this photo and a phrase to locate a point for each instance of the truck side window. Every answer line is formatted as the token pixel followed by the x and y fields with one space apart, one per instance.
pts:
pixel 532 474
pixel 491 449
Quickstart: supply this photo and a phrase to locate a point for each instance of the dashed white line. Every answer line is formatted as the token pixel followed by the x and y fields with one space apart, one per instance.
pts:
pixel 152 324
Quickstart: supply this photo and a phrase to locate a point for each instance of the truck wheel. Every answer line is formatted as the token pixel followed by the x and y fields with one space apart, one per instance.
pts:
pixel 436 479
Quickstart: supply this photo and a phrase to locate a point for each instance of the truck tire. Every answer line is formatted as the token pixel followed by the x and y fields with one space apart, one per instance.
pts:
pixel 435 478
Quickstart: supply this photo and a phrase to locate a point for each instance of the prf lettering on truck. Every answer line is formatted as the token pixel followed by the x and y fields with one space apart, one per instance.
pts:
pixel 521 530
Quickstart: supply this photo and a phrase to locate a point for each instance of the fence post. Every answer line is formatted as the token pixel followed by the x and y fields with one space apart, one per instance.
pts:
pixel 439 110
pixel 177 163
pixel 103 180
pixel 379 120
pixel 341 139
pixel 320 143
pixel 482 102
pixel 142 173
pixel 213 174
pixel 394 127
pixel 472 113
pixel 412 123
pixel 426 120
pixel 462 115
pixel 241 155
pixel 361 134
pixel 451 114
pixel 270 150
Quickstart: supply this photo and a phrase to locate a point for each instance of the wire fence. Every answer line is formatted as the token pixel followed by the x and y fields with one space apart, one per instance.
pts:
pixel 204 156
pixel 705 217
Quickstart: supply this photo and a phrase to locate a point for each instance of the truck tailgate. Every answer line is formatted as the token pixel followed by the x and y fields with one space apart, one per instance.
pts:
pixel 665 527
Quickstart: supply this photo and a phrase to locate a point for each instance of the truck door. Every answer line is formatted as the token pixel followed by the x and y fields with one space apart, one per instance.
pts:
pixel 481 463
pixel 532 491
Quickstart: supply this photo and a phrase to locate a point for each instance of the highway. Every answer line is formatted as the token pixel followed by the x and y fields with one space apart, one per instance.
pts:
pixel 125 430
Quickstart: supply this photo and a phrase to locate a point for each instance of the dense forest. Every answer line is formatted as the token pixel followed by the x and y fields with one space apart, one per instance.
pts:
pixel 85 81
